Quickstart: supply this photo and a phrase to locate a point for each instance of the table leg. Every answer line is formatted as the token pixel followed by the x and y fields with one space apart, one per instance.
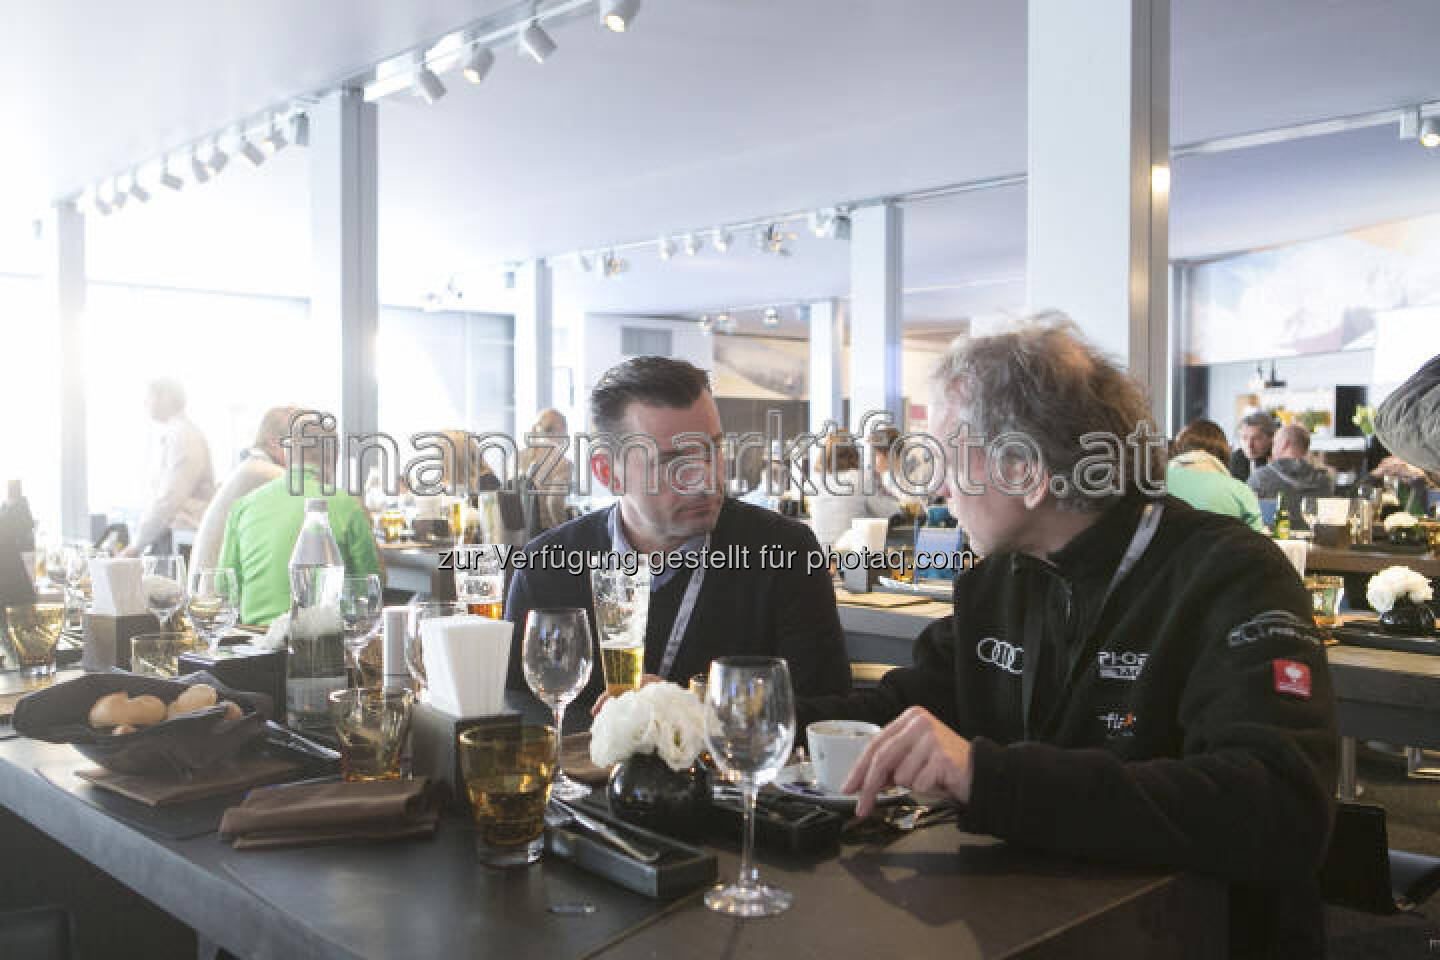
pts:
pixel 1347 788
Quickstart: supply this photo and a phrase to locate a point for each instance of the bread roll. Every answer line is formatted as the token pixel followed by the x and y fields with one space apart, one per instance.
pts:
pixel 110 710
pixel 146 711
pixel 197 697
pixel 123 729
pixel 232 711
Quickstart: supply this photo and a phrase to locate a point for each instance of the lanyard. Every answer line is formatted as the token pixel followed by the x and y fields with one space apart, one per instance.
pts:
pixel 682 616
pixel 1144 533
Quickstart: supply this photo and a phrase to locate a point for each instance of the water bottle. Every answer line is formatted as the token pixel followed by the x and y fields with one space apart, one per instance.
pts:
pixel 316 665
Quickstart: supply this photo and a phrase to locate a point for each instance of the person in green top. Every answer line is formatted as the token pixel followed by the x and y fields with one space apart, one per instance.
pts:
pixel 261 530
pixel 1197 474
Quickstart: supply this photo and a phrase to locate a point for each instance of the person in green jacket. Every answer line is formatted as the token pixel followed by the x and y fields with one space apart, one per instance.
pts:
pixel 1198 475
pixel 262 527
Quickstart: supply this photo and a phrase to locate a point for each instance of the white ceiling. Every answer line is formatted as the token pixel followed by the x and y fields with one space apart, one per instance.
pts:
pixel 708 111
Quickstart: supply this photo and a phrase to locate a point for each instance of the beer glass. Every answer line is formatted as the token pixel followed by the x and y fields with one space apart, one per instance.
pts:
pixel 622 609
pixel 480 580
pixel 508 769
pixel 750 729
pixel 557 660
pixel 33 630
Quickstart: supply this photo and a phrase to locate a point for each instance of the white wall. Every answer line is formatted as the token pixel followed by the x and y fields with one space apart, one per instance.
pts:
pixel 597 349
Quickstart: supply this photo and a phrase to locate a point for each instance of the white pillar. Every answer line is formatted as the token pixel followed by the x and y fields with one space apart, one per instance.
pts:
pixel 875 293
pixel 1099 175
pixel 534 337
pixel 344 296
pixel 827 364
pixel 64 239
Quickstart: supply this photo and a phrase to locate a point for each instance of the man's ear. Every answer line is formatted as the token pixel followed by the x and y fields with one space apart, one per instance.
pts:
pixel 602 468
pixel 1036 495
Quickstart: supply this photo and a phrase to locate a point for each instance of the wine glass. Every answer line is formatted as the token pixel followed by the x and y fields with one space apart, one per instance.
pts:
pixel 1310 512
pixel 361 602
pixel 414 650
pixel 750 729
pixel 74 573
pixel 164 585
pixel 558 656
pixel 213 605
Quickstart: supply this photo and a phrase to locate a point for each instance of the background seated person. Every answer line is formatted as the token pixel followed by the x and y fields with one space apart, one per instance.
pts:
pixel 1198 475
pixel 779 611
pixel 1289 475
pixel 1124 677
pixel 841 496
pixel 1257 435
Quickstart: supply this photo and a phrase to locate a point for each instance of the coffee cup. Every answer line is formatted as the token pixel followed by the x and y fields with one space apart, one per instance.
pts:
pixel 835 746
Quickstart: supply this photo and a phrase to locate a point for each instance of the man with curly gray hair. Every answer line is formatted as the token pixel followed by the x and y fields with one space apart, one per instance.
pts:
pixel 1124 677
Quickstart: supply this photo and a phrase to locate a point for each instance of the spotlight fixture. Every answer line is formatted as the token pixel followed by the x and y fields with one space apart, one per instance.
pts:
pixel 831 224
pixel 168 179
pixel 583 261
pixel 773 239
pixel 137 191
pixel 771 317
pixel 98 202
pixel 1430 132
pixel 300 130
pixel 617 14
pixel 427 85
pixel 692 244
pixel 198 171
pixel 721 239
pixel 250 152
pixel 612 265
pixel 535 42
pixel 218 158
pixel 479 64
pixel 707 324
pixel 1274 382
pixel 274 140
pixel 666 248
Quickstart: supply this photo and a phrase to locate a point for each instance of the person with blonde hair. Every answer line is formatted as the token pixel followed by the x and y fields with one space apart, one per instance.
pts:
pixel 263 462
pixel 546 469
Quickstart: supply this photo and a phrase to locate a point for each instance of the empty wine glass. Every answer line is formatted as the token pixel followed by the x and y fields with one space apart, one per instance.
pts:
pixel 414 648
pixel 213 605
pixel 164 585
pixel 750 729
pixel 361 602
pixel 1310 511
pixel 558 655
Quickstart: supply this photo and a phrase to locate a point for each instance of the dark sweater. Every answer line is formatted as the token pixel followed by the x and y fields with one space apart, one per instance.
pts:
pixel 1195 726
pixel 1408 422
pixel 781 612
pixel 1240 464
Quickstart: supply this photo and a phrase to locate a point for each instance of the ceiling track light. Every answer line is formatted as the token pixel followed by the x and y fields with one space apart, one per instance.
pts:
pixel 137 191
pixel 612 265
pixel 1430 132
pixel 274 140
pixel 250 152
pixel 479 64
pixel 772 240
pixel 692 244
pixel 218 158
pixel 616 15
pixel 833 224
pixel 98 202
pixel 535 42
pixel 665 247
pixel 300 130
pixel 721 239
pixel 198 171
pixel 168 179
pixel 427 85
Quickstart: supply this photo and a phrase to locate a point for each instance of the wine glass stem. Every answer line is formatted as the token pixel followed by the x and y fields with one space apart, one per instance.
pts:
pixel 749 875
pixel 559 709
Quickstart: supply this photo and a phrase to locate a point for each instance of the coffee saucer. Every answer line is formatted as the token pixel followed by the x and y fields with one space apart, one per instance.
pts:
pixel 798 780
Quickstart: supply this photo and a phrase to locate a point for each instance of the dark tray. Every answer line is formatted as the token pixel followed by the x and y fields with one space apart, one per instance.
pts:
pixel 1382 546
pixel 680 869
pixel 783 824
pixel 1353 635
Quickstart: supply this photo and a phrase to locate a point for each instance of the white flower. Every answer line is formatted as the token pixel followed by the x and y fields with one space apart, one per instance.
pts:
pixel 1388 586
pixel 1401 519
pixel 658 718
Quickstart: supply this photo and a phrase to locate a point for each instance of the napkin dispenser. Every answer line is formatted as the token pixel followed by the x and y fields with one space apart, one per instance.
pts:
pixel 107 639
pixel 434 749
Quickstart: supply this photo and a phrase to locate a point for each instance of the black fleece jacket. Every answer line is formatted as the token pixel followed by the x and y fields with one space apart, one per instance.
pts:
pixel 744 609
pixel 1189 723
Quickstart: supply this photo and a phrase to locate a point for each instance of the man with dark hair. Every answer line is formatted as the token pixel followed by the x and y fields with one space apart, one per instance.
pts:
pixel 1257 431
pixel 665 465
pixel 1124 678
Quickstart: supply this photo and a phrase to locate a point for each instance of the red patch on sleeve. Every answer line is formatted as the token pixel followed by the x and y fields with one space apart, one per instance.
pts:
pixel 1292 678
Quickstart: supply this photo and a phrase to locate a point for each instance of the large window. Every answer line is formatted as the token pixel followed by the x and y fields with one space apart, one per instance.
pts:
pixel 30 397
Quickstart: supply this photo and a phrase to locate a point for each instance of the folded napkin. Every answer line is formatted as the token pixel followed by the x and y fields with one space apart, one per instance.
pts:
pixel 116 586
pixel 466 658
pixel 316 813
pixel 160 790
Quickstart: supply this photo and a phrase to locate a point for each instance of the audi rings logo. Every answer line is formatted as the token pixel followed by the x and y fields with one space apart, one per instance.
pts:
pixel 1002 654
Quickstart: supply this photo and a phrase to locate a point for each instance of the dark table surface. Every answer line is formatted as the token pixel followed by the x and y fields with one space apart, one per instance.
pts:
pixel 935 891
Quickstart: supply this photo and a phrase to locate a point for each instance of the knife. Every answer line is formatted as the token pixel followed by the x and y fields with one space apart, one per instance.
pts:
pixel 285 737
pixel 642 853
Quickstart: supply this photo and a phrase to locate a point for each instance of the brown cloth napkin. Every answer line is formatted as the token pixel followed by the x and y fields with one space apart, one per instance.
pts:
pixel 159 790
pixel 305 814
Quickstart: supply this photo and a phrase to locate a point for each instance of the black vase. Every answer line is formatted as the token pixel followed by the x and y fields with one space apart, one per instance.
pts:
pixel 644 791
pixel 1409 617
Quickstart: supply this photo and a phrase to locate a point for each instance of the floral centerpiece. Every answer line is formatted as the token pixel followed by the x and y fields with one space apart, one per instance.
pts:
pixel 1402 527
pixel 1400 595
pixel 653 737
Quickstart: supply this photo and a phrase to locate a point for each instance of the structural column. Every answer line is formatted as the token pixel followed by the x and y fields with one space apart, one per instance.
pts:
pixel 64 238
pixel 827 364
pixel 343 206
pixel 1099 176
pixel 534 335
pixel 875 304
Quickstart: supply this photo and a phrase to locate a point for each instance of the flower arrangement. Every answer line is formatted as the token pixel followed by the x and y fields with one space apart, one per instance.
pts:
pixel 1393 584
pixel 659 718
pixel 1398 520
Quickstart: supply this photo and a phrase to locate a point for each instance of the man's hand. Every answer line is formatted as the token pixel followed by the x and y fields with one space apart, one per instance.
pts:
pixel 645 680
pixel 917 751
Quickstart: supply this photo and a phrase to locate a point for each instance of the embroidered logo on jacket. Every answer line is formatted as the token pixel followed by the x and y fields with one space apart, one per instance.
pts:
pixel 1292 678
pixel 1273 624
pixel 1116 665
pixel 1118 724
pixel 1002 654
